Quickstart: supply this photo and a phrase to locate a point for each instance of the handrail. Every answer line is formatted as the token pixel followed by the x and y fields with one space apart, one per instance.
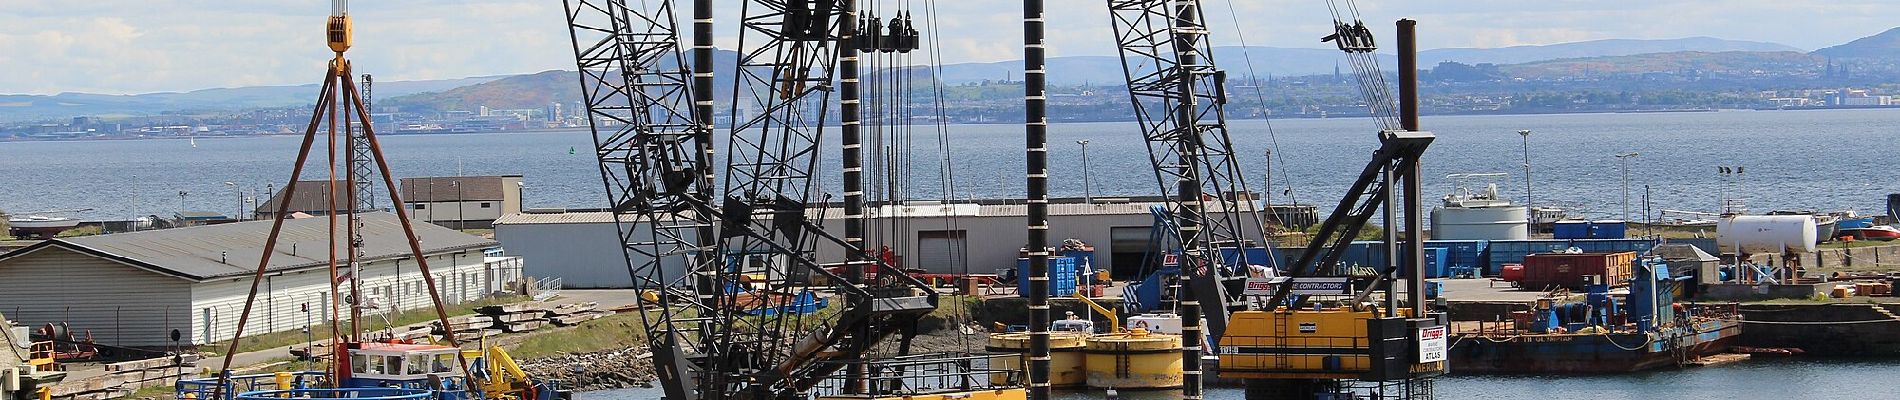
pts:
pixel 341 394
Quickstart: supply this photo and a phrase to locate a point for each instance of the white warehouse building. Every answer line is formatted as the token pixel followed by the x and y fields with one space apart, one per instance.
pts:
pixel 133 289
pixel 581 247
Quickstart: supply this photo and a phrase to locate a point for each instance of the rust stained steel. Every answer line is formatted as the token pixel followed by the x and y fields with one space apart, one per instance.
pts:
pixel 324 99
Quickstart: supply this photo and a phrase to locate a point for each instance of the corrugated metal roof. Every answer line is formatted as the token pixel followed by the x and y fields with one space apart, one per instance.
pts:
pixel 592 217
pixel 213 251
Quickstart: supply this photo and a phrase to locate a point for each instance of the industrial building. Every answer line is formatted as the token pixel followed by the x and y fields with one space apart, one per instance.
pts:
pixel 133 289
pixel 462 202
pixel 582 249
pixel 308 197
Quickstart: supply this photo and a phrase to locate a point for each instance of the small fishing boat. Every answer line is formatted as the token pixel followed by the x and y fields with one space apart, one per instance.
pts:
pixel 1877 232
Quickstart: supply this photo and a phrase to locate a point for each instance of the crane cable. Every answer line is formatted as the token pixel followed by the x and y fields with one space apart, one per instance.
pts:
pixel 1273 139
pixel 1365 63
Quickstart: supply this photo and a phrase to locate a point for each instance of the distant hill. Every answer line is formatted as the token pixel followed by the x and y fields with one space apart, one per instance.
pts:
pixel 1593 48
pixel 1731 61
pixel 1281 61
pixel 1882 45
pixel 532 91
pixel 65 105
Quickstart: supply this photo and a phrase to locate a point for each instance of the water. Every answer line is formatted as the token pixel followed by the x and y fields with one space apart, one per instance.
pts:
pixel 1826 160
pixel 1754 379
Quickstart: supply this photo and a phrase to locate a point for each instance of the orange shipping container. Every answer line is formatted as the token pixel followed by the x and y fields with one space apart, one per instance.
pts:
pixel 1570 270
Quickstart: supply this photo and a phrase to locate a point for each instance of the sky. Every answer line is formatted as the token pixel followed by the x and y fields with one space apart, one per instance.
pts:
pixel 141 46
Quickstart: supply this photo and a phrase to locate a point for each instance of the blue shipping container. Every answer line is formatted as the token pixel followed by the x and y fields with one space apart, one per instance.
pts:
pixel 1462 253
pixel 1062 271
pixel 1609 229
pixel 1570 230
pixel 1513 251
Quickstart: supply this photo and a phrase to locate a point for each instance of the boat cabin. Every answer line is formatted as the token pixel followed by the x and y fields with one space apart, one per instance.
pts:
pixel 393 364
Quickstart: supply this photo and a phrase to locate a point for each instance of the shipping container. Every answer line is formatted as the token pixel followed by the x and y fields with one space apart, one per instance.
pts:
pixel 1570 230
pixel 1639 246
pixel 1571 270
pixel 1464 255
pixel 1609 229
pixel 1502 252
pixel 1062 274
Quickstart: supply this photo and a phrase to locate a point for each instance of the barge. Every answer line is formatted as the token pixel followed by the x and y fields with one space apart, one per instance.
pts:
pixel 1646 329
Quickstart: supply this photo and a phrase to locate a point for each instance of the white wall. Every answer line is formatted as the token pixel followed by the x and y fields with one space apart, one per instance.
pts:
pixel 395 284
pixel 118 303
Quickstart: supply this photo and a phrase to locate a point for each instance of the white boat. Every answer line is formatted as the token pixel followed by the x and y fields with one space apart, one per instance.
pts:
pixel 40 226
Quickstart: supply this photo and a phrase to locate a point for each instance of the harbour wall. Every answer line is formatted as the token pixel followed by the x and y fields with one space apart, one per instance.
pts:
pixel 1857 329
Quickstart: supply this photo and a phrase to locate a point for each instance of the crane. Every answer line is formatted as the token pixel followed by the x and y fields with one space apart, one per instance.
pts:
pixel 1330 339
pixel 726 268
pixel 1179 99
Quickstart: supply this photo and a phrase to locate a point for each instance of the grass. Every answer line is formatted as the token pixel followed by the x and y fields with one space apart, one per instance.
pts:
pixel 614 332
pixel 81 231
pixel 280 339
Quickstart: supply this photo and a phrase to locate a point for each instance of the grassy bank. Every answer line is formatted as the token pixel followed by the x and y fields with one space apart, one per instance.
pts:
pixel 618 331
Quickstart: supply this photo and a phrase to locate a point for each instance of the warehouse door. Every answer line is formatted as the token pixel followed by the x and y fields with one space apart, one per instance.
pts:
pixel 1127 247
pixel 942 251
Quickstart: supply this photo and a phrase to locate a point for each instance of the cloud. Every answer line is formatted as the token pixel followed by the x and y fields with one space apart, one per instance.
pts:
pixel 126 46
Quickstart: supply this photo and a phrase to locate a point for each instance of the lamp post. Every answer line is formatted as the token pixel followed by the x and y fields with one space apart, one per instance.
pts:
pixel 1529 202
pixel 1088 192
pixel 240 200
pixel 1623 162
pixel 460 219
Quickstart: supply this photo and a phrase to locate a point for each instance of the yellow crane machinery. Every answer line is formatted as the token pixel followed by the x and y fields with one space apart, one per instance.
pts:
pixel 1321 334
pixel 1114 319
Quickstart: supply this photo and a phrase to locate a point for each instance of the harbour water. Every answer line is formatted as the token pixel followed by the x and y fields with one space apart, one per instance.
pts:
pixel 1754 379
pixel 1825 160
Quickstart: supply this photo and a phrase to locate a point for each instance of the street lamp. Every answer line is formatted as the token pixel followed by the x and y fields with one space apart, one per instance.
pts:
pixel 460 219
pixel 1623 162
pixel 1529 202
pixel 240 200
pixel 1088 192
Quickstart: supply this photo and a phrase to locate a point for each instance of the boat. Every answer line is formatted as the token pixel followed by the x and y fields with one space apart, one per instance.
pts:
pixel 389 370
pixel 39 226
pixel 1825 224
pixel 1876 232
pixel 1646 330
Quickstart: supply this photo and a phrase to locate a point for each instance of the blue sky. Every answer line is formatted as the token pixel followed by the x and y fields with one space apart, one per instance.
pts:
pixel 126 46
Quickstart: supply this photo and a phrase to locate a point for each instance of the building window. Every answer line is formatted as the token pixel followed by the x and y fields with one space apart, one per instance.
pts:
pixel 486 205
pixel 420 206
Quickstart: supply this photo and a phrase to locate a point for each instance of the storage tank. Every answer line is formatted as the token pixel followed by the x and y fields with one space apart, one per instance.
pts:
pixel 1765 234
pixel 1480 223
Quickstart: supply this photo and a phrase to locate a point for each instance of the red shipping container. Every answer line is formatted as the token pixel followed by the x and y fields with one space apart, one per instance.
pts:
pixel 1543 270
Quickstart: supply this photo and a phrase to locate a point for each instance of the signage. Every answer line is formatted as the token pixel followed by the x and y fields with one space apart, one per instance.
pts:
pixel 1311 286
pixel 1309 327
pixel 1431 344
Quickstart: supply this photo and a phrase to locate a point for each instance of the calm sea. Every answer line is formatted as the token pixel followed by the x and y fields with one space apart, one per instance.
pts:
pixel 1823 160
pixel 1755 379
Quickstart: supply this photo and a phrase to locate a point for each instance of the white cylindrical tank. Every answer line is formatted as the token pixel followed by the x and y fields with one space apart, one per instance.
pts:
pixel 1765 234
pixel 1480 223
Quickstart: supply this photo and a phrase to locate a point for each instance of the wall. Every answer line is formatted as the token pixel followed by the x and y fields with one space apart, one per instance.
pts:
pixel 394 283
pixel 118 303
pixel 1860 331
pixel 446 213
pixel 584 255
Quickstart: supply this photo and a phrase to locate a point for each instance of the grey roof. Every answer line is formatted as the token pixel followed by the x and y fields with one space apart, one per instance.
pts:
pixel 227 250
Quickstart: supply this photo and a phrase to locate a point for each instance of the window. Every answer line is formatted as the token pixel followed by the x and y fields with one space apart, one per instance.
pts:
pixel 373 365
pixel 487 205
pixel 417 365
pixel 360 364
pixel 444 363
pixel 392 365
pixel 420 206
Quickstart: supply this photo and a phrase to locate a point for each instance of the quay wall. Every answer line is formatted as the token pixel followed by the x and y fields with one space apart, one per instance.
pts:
pixel 1858 329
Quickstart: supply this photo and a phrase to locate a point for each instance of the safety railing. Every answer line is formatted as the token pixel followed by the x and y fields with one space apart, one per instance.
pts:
pixel 341 394
pixel 547 288
pixel 207 388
